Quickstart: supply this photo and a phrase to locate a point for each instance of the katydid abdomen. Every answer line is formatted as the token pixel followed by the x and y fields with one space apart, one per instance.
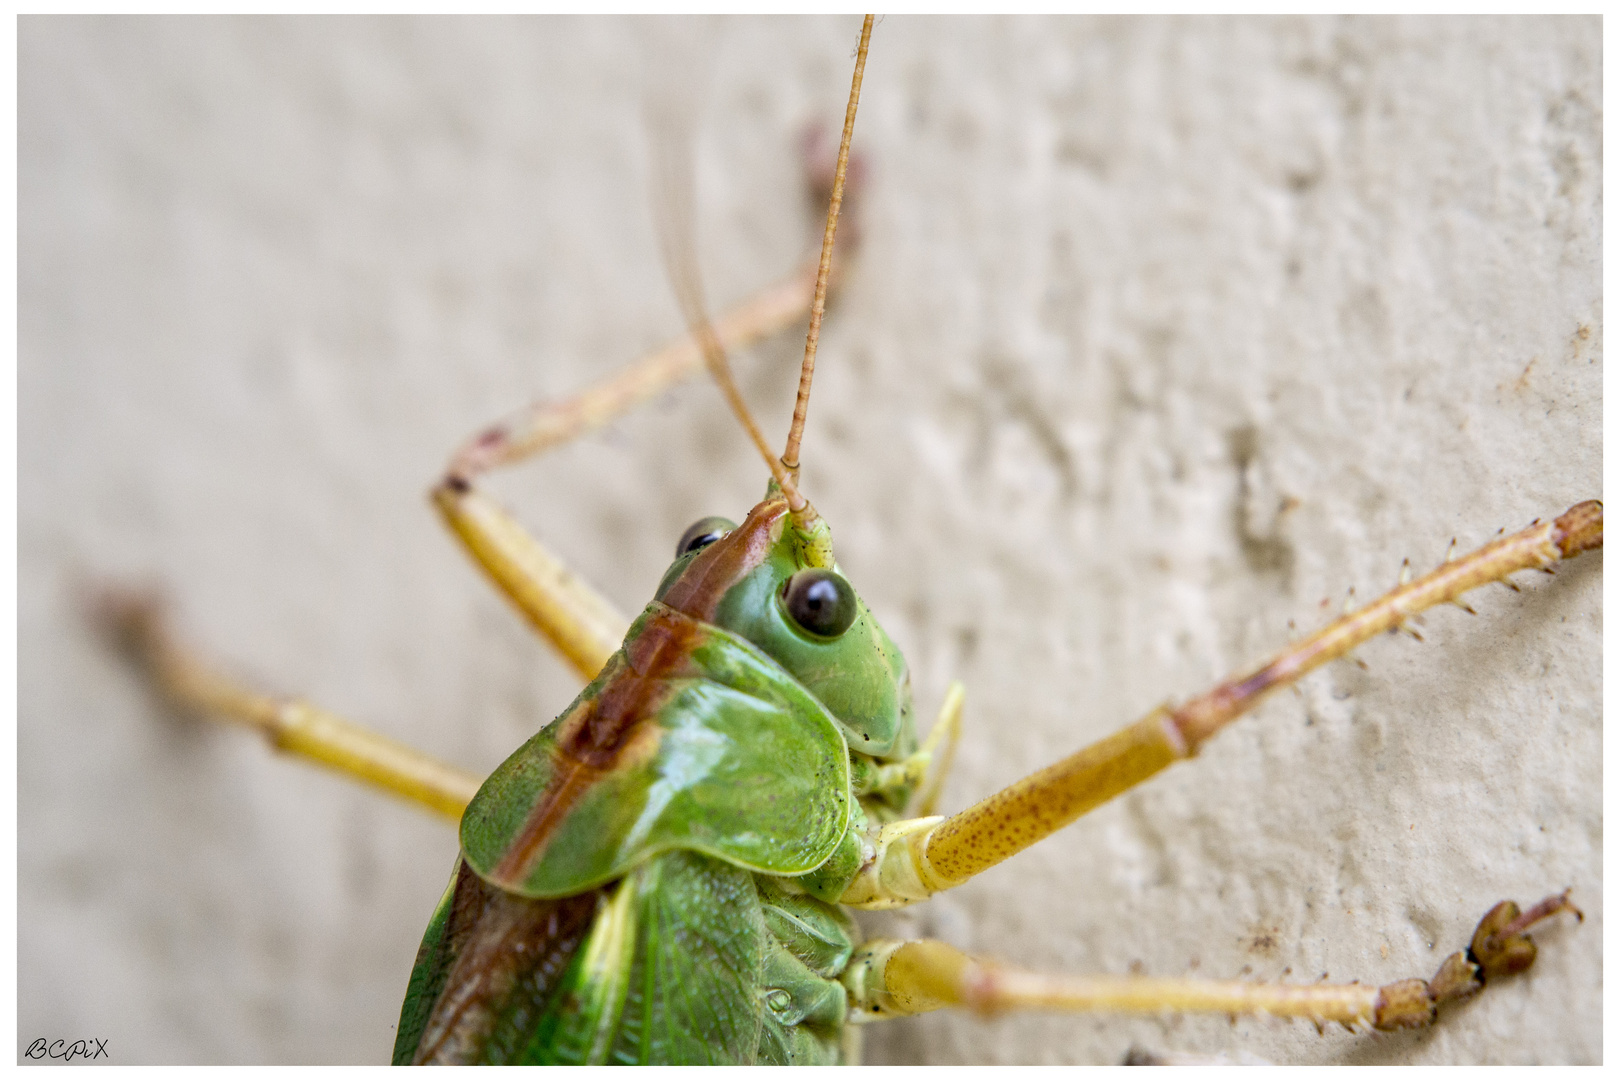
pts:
pixel 686 960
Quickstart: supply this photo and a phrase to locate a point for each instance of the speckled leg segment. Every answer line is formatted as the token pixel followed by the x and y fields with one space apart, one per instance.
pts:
pixel 914 859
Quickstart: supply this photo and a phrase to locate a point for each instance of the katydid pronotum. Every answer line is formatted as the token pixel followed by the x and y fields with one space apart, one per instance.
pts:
pixel 1108 401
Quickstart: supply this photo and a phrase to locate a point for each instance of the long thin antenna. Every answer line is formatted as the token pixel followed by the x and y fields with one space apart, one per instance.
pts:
pixel 672 180
pixel 790 456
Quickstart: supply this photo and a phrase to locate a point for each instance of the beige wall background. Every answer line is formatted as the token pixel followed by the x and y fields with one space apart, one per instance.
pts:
pixel 1128 288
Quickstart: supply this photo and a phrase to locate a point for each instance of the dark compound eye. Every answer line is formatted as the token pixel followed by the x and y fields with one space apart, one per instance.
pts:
pixel 702 533
pixel 820 601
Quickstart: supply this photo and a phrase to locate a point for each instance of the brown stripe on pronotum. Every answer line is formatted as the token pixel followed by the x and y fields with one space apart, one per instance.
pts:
pixel 593 737
pixel 722 564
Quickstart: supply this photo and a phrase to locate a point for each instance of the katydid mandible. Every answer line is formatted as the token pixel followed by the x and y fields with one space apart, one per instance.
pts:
pixel 733 855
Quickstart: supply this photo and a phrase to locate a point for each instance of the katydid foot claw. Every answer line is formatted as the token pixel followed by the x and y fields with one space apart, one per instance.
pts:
pixel 1500 946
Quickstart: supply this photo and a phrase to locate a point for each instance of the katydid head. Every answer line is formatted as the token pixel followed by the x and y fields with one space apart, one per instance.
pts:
pixel 755 581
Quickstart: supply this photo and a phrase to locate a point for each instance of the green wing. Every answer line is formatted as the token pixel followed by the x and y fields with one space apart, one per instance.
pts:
pixel 427 975
pixel 484 949
pixel 683 962
pixel 691 738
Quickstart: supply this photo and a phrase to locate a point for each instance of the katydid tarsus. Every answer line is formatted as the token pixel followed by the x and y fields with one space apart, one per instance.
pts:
pixel 1002 447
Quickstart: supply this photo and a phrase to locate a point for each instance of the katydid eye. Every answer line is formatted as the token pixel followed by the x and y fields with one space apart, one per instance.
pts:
pixel 702 533
pixel 820 601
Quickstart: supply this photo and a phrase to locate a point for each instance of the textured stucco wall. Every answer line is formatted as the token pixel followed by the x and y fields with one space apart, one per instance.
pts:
pixel 1127 287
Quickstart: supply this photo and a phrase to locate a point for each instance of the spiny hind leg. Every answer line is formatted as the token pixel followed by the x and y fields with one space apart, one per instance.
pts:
pixel 888 978
pixel 138 620
pixel 918 857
